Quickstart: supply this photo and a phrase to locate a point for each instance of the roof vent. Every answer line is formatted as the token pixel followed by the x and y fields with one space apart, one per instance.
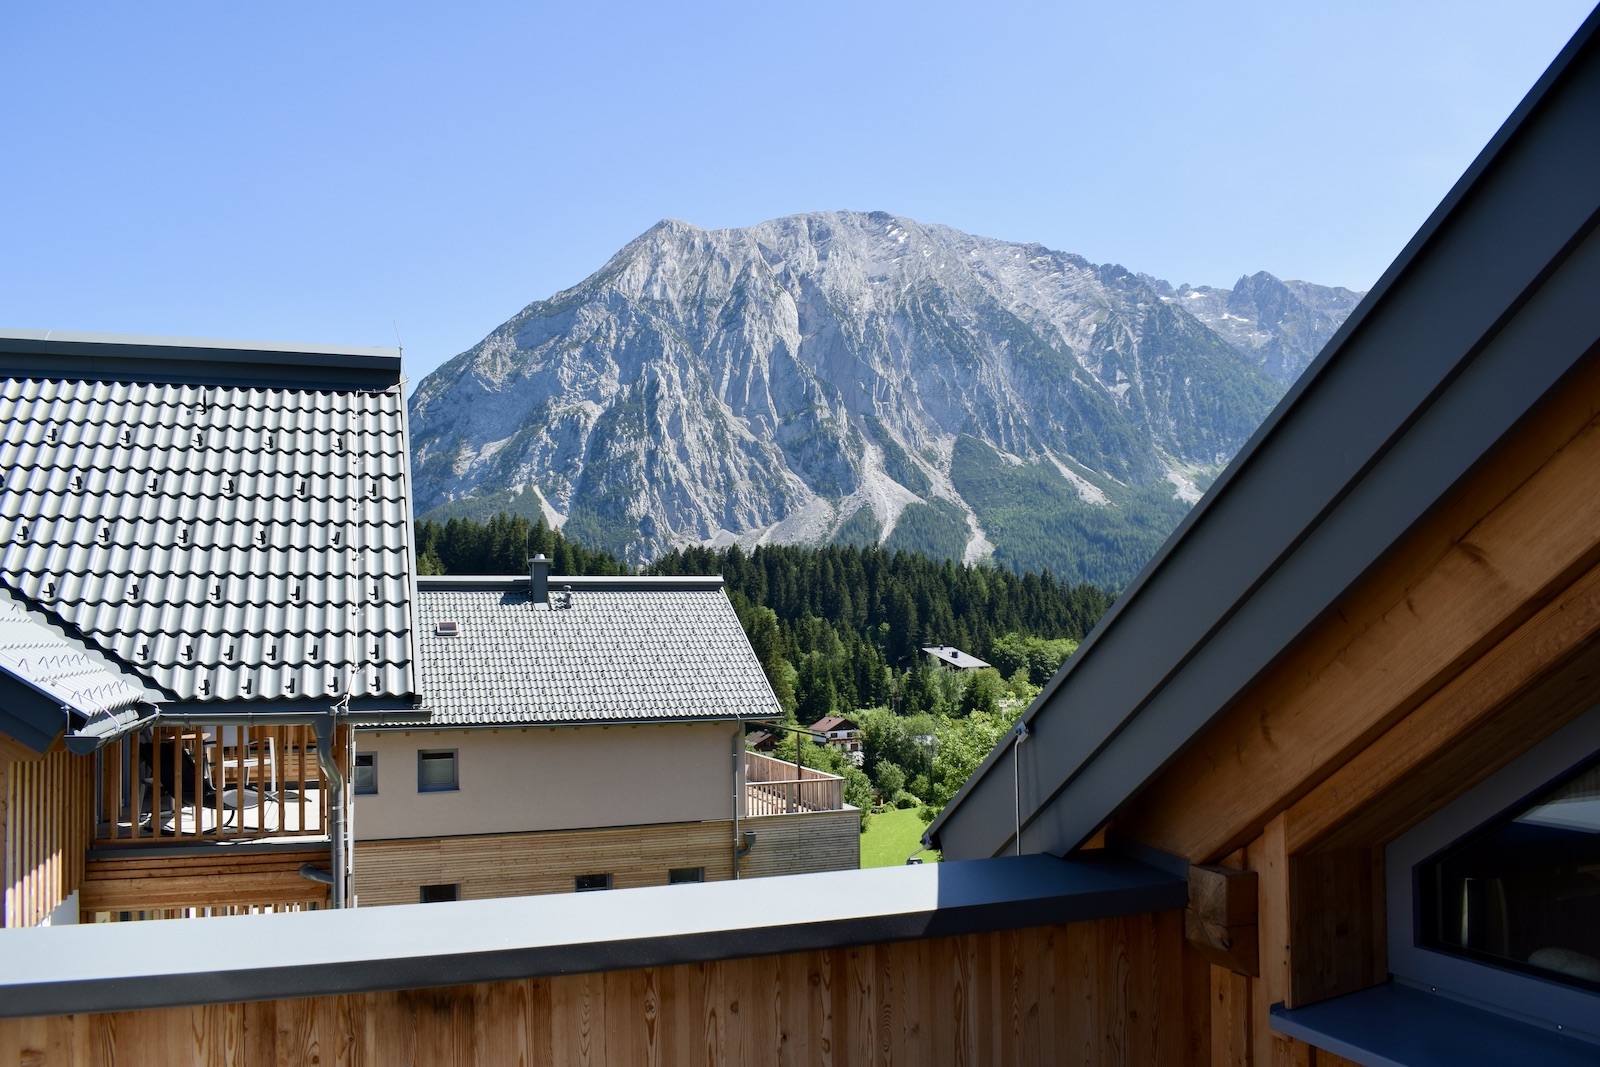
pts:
pixel 447 628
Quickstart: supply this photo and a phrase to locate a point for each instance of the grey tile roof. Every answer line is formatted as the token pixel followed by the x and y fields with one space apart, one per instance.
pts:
pixel 628 649
pixel 954 657
pixel 43 658
pixel 244 538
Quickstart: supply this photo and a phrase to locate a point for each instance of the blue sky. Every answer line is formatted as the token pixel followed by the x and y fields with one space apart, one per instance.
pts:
pixel 330 173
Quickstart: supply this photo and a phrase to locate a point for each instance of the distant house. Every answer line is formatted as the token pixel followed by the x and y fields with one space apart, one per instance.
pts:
pixel 582 733
pixel 205 549
pixel 761 740
pixel 842 734
pixel 951 656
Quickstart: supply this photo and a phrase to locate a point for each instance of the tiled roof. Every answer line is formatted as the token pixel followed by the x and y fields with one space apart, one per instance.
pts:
pixel 41 657
pixel 833 722
pixel 236 536
pixel 628 649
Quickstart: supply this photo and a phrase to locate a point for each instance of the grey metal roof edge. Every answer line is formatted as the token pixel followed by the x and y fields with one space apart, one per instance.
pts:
pixel 128 357
pixel 105 658
pixel 412 623
pixel 630 583
pixel 1395 1025
pixel 282 711
pixel 1495 158
pixel 519 724
pixel 130 966
pixel 27 717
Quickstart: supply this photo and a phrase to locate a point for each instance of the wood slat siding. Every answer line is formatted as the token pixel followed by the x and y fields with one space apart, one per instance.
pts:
pixel 513 865
pixel 224 883
pixel 45 824
pixel 799 844
pixel 1098 994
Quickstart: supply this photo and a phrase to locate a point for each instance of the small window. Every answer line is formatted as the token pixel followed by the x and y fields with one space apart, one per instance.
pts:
pixel 589 883
pixel 447 628
pixel 365 778
pixel 436 771
pixel 439 894
pixel 685 875
pixel 1524 891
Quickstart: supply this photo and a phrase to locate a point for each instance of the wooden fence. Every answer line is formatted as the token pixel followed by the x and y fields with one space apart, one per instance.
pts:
pixel 772 787
pixel 1115 991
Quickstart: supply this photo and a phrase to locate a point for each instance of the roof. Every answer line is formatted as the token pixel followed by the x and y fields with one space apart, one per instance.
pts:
pixel 45 673
pixel 1479 319
pixel 952 656
pixel 625 650
pixel 833 722
pixel 231 520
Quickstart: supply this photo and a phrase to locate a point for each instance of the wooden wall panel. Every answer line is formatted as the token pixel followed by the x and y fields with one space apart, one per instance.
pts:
pixel 149 881
pixel 507 865
pixel 48 821
pixel 1117 991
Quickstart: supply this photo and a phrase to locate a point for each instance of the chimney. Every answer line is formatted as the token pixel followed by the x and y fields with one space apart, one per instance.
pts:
pixel 539 578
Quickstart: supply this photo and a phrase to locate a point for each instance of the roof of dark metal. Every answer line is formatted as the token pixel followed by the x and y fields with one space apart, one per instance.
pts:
pixel 123 966
pixel 1482 315
pixel 617 649
pixel 232 521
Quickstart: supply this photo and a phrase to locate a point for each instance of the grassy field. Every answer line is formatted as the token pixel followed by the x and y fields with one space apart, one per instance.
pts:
pixel 891 837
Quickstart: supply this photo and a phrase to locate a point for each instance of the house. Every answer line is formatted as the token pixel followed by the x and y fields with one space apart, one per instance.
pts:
pixel 581 733
pixel 952 657
pixel 1318 790
pixel 761 741
pixel 843 734
pixel 206 549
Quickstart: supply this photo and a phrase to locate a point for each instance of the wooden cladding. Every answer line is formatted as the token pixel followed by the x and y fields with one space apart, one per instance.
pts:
pixel 1099 994
pixel 45 821
pixel 150 883
pixel 512 865
pixel 181 784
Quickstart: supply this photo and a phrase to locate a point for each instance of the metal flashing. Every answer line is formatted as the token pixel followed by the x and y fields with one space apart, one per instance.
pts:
pixel 1394 1025
pixel 127 966
pixel 1482 316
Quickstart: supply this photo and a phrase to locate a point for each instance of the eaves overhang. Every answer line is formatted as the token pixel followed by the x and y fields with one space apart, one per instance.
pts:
pixel 1483 315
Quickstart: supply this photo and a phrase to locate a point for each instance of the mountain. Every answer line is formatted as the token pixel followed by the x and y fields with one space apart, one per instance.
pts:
pixel 844 376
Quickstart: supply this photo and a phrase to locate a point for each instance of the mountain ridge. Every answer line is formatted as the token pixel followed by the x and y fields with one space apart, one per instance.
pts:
pixel 824 376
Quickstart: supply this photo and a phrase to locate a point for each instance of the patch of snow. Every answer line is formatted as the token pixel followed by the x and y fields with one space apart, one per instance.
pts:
pixel 1088 492
pixel 1183 488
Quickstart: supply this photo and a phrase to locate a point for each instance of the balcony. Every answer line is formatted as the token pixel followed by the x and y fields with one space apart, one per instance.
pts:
pixel 772 787
pixel 185 785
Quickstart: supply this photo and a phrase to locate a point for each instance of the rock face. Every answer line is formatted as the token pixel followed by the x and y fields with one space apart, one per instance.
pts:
pixel 862 377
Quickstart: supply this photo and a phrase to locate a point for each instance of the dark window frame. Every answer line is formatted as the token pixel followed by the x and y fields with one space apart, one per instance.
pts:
pixel 674 875
pixel 424 754
pixel 370 788
pixel 579 882
pixel 442 893
pixel 1542 999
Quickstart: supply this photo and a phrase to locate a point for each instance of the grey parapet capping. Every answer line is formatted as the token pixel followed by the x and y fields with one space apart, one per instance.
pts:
pixel 189 360
pixel 1482 316
pixel 126 966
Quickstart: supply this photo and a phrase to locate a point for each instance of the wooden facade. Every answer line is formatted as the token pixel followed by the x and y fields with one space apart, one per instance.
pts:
pixel 508 865
pixel 153 884
pixel 46 819
pixel 1095 994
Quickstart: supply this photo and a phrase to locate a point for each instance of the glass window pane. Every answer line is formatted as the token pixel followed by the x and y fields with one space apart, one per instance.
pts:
pixel 1524 891
pixel 366 772
pixel 436 771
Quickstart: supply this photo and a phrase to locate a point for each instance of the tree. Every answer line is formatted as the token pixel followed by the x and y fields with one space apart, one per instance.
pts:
pixel 889 778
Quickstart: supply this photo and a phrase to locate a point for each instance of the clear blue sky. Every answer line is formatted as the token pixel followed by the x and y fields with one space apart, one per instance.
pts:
pixel 323 172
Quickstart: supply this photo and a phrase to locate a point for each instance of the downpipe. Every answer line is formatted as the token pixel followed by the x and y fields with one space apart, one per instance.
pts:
pixel 326 725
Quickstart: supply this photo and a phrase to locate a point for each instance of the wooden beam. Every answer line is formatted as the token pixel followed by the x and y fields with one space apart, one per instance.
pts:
pixel 1220 920
pixel 1412 628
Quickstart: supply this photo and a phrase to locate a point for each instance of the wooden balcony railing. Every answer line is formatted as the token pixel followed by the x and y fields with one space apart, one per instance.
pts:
pixel 183 784
pixel 772 788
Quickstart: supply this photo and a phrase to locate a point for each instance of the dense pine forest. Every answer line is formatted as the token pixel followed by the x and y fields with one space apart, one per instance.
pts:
pixel 839 629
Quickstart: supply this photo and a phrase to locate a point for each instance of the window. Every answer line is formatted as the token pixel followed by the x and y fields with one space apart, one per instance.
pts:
pixel 439 894
pixel 436 771
pixel 365 779
pixel 685 875
pixel 588 883
pixel 1495 899
pixel 1524 891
